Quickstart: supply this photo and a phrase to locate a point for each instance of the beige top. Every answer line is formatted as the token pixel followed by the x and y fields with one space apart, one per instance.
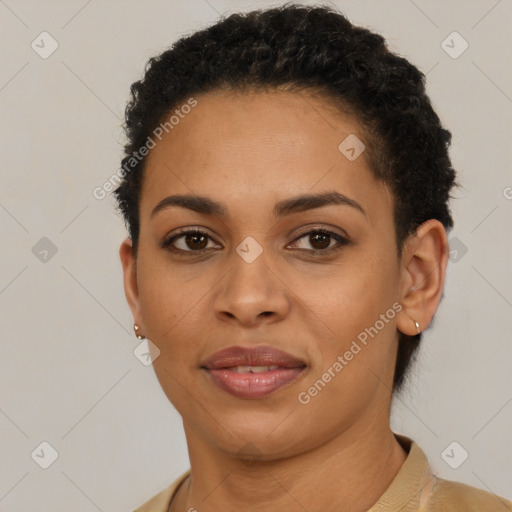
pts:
pixel 414 489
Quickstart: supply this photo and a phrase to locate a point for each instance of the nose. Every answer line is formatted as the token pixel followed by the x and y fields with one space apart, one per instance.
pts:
pixel 251 294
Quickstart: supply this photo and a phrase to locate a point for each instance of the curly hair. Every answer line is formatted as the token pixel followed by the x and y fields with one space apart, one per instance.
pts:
pixel 311 48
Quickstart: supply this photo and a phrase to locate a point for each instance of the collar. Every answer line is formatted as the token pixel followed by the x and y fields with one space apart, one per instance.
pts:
pixel 410 489
pixel 408 492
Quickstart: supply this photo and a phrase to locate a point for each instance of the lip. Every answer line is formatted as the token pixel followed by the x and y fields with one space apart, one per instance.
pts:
pixel 221 367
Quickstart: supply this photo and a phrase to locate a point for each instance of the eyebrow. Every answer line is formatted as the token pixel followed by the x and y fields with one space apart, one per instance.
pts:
pixel 207 206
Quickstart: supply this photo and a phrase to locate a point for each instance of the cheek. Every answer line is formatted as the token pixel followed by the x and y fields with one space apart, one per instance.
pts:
pixel 167 300
pixel 354 308
pixel 353 360
pixel 171 311
pixel 349 296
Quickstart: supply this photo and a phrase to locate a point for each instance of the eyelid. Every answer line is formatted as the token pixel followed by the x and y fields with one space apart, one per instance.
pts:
pixel 305 230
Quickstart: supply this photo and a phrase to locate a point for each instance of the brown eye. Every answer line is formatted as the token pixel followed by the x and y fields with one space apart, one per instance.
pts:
pixel 192 240
pixel 320 241
pixel 196 241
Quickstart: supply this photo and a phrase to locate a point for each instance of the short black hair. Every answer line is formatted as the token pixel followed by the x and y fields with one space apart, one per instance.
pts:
pixel 311 48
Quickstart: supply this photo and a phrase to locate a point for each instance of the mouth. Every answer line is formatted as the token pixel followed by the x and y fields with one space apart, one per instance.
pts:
pixel 253 373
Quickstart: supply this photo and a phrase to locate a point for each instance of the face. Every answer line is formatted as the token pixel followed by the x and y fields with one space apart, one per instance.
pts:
pixel 300 296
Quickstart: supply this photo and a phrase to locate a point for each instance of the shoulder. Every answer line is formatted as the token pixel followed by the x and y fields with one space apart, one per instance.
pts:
pixel 161 501
pixel 448 496
pixel 416 489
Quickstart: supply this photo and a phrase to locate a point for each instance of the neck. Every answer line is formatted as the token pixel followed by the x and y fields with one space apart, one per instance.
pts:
pixel 350 471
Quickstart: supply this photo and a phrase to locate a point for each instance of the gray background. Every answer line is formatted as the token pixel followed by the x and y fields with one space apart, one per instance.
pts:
pixel 69 376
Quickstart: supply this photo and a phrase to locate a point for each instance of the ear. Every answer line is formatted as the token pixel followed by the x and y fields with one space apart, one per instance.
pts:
pixel 423 269
pixel 131 291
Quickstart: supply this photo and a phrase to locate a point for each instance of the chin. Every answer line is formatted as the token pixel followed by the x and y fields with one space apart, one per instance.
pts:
pixel 258 436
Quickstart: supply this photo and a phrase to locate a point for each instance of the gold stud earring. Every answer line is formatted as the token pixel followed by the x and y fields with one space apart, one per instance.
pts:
pixel 417 326
pixel 136 329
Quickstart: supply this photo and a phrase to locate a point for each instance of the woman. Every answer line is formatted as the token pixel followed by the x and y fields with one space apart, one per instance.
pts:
pixel 286 186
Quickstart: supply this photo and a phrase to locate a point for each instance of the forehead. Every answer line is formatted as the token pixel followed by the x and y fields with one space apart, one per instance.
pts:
pixel 227 121
pixel 253 146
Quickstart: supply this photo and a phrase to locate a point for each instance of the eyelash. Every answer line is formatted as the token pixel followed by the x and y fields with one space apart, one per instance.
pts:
pixel 342 241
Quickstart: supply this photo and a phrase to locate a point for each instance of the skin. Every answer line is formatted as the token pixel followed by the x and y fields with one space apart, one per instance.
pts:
pixel 250 151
